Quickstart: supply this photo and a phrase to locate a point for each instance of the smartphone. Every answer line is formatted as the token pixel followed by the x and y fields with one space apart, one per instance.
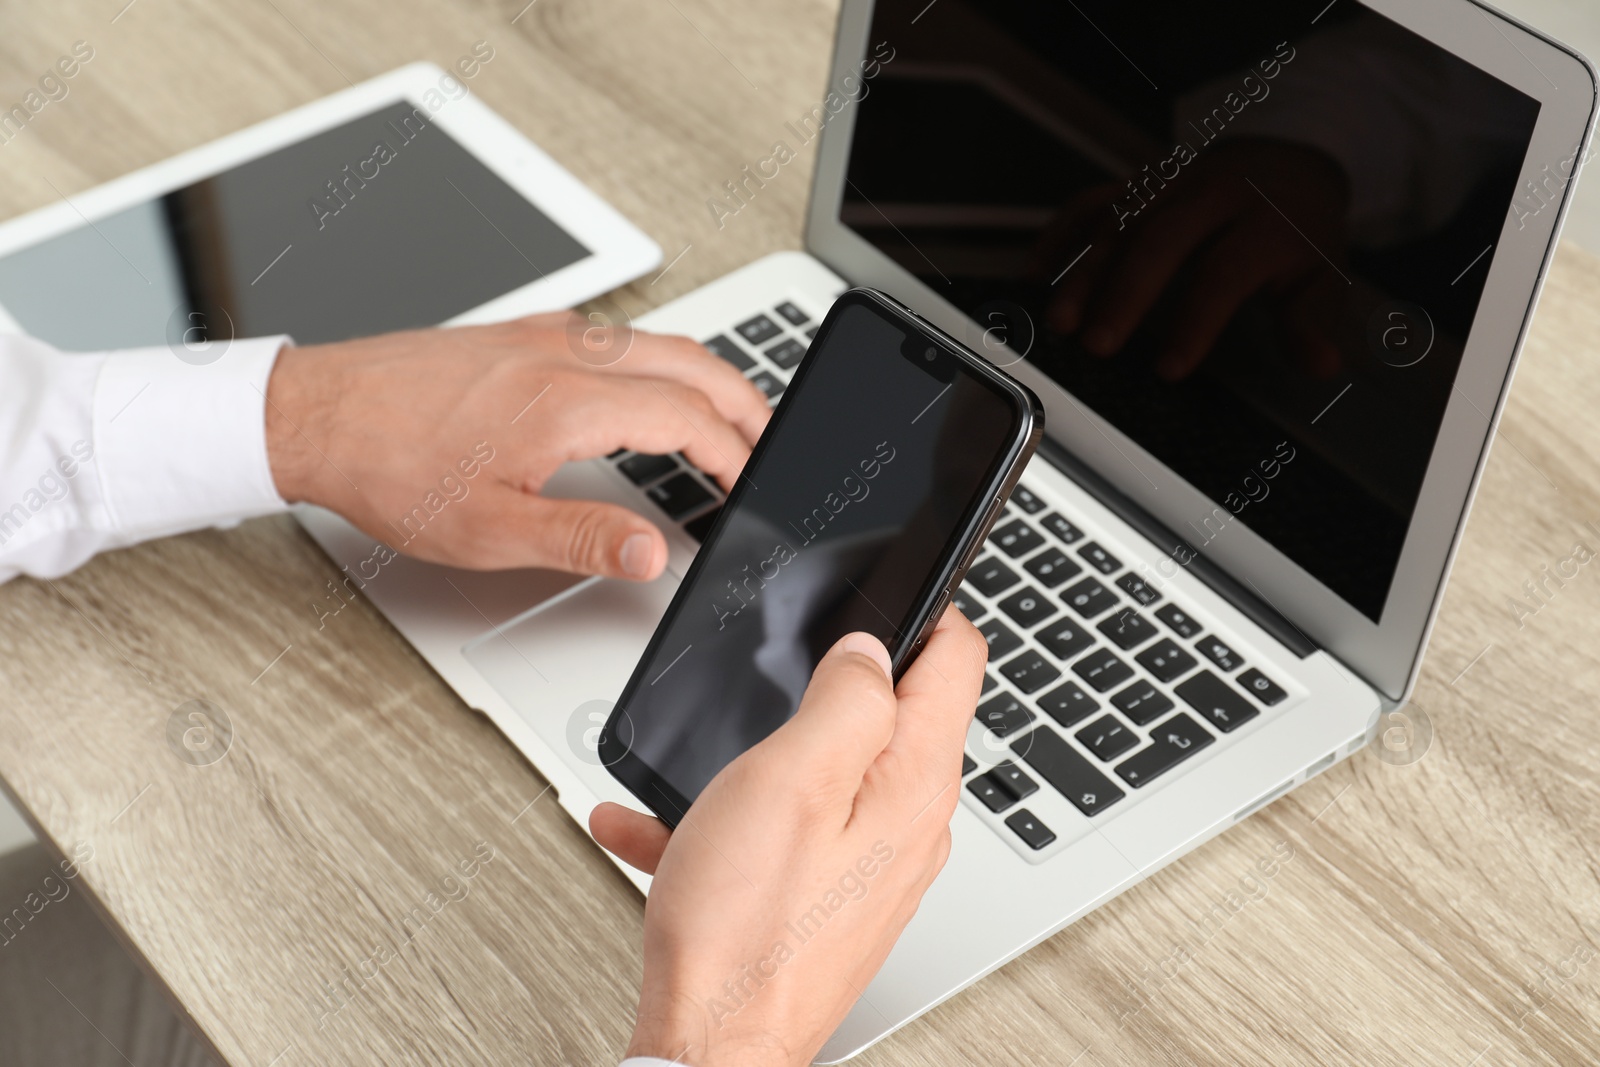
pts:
pixel 861 508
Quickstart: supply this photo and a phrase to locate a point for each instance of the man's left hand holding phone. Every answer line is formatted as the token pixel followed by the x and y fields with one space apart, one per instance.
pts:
pixel 882 766
pixel 845 803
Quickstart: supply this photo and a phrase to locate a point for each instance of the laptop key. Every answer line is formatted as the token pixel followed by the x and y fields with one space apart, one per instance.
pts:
pixel 1139 589
pixel 1003 715
pixel 1179 622
pixel 1030 672
pixel 679 495
pixel 758 330
pixel 1069 773
pixel 1127 629
pixel 1028 608
pixel 1261 687
pixel 1107 738
pixel 1064 639
pixel 700 526
pixel 1166 660
pixel 1035 834
pixel 1017 538
pixel 968 605
pixel 768 383
pixel 1177 739
pixel 1100 559
pixel 788 354
pixel 1102 669
pixel 1024 498
pixel 1002 641
pixel 987 790
pixel 1142 703
pixel 1089 598
pixel 968 764
pixel 642 469
pixel 988 684
pixel 1063 529
pixel 726 348
pixel 1216 701
pixel 1052 567
pixel 991 577
pixel 1013 780
pixel 811 333
pixel 1219 653
pixel 791 314
pixel 1068 704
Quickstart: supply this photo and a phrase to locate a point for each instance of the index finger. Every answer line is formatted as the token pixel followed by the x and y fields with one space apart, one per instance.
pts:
pixel 648 415
pixel 684 360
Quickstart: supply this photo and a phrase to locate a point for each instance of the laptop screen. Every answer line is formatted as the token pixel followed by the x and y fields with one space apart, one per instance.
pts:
pixel 1251 236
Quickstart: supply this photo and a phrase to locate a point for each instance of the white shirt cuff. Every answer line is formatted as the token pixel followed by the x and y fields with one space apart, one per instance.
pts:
pixel 648 1061
pixel 179 446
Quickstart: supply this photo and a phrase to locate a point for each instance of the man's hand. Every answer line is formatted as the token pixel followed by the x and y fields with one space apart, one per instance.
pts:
pixel 377 429
pixel 781 893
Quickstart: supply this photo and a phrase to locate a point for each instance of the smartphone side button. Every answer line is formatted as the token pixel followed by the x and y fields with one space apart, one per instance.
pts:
pixel 978 542
pixel 933 620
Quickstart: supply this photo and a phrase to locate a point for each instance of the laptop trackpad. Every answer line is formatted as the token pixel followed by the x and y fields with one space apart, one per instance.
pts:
pixel 571 652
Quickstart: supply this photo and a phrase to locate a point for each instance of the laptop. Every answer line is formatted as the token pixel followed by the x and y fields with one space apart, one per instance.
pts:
pixel 1269 266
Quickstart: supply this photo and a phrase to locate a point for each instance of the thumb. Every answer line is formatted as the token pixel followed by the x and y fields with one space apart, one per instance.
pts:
pixel 587 537
pixel 847 715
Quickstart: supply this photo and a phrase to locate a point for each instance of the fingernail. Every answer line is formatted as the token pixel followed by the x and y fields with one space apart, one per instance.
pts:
pixel 871 647
pixel 638 551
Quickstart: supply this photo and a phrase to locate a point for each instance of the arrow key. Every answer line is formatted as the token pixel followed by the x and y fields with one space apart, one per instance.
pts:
pixel 1171 743
pixel 1035 834
pixel 1013 780
pixel 987 790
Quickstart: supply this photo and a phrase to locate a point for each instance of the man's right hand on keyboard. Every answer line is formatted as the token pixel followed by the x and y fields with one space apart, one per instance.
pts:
pixel 438 442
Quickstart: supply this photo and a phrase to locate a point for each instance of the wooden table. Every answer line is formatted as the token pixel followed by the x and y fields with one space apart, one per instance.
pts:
pixel 1443 912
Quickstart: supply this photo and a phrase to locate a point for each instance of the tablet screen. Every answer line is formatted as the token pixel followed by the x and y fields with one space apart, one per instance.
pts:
pixel 383 223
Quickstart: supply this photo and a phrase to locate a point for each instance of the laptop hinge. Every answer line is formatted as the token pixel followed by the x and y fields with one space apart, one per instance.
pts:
pixel 1259 611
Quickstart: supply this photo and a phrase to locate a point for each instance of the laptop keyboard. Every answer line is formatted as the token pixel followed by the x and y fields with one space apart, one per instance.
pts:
pixel 765 348
pixel 1099 683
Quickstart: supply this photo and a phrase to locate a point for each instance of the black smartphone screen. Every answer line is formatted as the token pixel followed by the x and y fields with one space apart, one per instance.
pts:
pixel 886 449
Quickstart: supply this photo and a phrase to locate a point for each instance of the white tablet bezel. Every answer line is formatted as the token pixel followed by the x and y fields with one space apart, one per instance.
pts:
pixel 620 251
pixel 1387 654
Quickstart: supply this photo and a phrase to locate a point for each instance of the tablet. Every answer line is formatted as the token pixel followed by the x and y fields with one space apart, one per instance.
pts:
pixel 400 202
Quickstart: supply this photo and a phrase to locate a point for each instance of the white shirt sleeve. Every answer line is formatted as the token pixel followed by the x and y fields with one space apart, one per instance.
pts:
pixel 102 450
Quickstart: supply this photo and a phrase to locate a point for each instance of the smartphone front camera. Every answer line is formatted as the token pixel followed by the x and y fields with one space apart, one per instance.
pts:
pixel 930 354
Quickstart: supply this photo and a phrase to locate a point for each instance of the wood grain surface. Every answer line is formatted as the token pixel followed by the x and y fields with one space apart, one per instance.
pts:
pixel 303 898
